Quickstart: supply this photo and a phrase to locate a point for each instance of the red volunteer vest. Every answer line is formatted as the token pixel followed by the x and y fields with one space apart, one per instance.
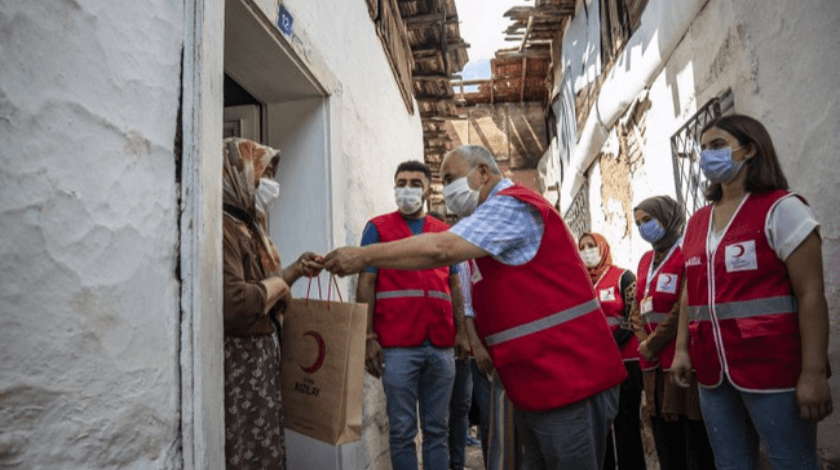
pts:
pixel 541 321
pixel 662 286
pixel 750 329
pixel 608 289
pixel 411 306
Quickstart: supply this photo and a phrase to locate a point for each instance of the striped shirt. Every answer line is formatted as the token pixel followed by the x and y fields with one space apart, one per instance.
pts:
pixel 507 228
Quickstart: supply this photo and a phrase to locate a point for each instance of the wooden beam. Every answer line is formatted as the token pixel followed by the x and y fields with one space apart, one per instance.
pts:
pixel 524 70
pixel 527 33
pixel 471 82
pixel 432 76
pixel 428 18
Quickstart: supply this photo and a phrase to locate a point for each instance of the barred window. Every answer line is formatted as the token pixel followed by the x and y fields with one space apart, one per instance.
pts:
pixel 685 151
pixel 577 218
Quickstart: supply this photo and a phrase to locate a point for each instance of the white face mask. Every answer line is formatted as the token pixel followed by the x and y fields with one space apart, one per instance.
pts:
pixel 591 257
pixel 267 192
pixel 409 200
pixel 460 197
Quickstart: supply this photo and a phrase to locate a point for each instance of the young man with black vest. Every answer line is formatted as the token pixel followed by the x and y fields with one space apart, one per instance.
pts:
pixel 536 310
pixel 415 328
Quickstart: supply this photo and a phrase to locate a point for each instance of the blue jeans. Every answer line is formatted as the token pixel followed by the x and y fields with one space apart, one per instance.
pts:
pixel 481 389
pixel 738 422
pixel 424 375
pixel 459 410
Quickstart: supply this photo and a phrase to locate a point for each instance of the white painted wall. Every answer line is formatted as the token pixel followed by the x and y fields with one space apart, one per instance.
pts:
pixel 369 133
pixel 781 61
pixel 89 329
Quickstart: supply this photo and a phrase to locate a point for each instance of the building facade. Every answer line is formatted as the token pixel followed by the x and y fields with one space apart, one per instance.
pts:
pixel 634 81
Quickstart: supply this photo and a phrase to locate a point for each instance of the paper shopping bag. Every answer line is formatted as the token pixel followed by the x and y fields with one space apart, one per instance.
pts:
pixel 323 361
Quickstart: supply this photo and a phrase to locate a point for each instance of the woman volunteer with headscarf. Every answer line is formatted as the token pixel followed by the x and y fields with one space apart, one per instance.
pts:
pixel 678 431
pixel 616 291
pixel 255 285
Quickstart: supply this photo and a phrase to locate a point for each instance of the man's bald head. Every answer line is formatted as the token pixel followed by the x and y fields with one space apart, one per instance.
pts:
pixel 474 162
pixel 472 156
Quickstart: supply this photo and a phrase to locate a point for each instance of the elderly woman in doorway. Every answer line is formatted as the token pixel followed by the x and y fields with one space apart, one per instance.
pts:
pixel 255 288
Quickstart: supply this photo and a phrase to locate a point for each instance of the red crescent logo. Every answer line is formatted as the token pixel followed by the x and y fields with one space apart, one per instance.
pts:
pixel 321 353
pixel 740 249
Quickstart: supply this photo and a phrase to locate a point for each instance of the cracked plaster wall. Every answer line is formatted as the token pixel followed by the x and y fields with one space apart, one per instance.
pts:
pixel 88 216
pixel 781 60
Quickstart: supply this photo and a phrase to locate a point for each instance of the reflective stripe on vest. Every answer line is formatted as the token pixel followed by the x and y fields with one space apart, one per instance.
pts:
pixel 745 309
pixel 653 317
pixel 412 293
pixel 440 295
pixel 543 323
pixel 614 321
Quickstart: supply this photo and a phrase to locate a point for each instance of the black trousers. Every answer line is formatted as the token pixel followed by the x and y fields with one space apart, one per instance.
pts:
pixel 682 444
pixel 628 424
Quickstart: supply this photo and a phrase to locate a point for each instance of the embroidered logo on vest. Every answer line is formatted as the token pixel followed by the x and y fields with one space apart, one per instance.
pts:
pixel 741 257
pixel 667 283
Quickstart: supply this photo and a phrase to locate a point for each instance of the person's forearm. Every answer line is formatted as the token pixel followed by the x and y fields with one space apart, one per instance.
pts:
pixel 472 333
pixel 664 331
pixel 292 273
pixel 813 330
pixel 457 304
pixel 426 251
pixel 682 324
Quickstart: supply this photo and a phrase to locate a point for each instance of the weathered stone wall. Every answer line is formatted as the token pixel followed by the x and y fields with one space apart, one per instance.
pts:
pixel 89 329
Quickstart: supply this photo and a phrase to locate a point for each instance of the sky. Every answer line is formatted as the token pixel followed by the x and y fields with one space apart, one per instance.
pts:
pixel 482 26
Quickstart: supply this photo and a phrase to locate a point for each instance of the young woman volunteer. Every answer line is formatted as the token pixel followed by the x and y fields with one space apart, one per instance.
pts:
pixel 755 322
pixel 676 422
pixel 616 290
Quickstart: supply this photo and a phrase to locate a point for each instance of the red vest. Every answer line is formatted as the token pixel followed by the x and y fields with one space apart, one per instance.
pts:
pixel 411 306
pixel 608 289
pixel 662 287
pixel 541 321
pixel 743 317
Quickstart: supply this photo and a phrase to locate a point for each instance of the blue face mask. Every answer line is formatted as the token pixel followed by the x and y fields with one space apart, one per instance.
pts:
pixel 718 165
pixel 651 231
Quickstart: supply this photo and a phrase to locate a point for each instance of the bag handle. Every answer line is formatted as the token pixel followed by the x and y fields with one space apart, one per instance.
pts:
pixel 309 289
pixel 333 280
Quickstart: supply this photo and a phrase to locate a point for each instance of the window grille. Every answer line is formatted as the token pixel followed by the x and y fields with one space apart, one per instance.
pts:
pixel 577 218
pixel 685 151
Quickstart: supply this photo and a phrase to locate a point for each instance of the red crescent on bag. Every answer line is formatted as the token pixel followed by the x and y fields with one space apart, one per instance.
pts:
pixel 321 353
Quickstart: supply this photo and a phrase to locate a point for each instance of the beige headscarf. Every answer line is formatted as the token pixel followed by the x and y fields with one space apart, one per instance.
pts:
pixel 245 163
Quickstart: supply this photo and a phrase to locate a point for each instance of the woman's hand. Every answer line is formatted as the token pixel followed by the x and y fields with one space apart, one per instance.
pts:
pixel 310 264
pixel 645 351
pixel 813 395
pixel 681 373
